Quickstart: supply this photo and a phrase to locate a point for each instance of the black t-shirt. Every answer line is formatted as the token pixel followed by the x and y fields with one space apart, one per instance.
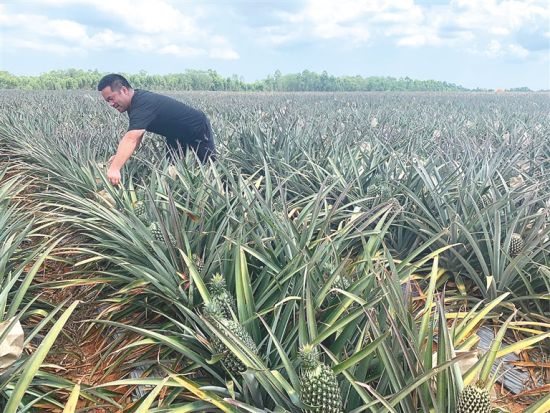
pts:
pixel 168 117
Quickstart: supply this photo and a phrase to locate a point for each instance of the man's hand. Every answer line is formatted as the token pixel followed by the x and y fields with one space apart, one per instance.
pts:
pixel 113 175
pixel 126 147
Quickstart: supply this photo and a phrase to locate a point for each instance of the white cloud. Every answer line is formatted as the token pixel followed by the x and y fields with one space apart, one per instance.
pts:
pixel 518 51
pixel 497 23
pixel 462 24
pixel 180 51
pixel 42 46
pixel 221 49
pixel 353 21
pixel 496 49
pixel 484 27
pixel 147 26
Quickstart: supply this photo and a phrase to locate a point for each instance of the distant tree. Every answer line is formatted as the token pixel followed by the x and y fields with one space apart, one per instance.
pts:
pixel 519 89
pixel 211 80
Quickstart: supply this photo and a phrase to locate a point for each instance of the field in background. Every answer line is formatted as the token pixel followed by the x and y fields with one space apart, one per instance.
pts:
pixel 395 232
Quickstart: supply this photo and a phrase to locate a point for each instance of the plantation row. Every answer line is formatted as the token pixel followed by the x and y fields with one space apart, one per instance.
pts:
pixel 346 253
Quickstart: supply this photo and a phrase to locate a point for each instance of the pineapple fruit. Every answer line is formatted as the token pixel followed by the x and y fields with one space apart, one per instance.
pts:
pixel 155 230
pixel 141 212
pixel 199 262
pixel 230 362
pixel 516 245
pixel 484 201
pixel 139 208
pixel 340 282
pixel 373 192
pixel 319 388
pixel 377 192
pixel 473 399
pixel 221 296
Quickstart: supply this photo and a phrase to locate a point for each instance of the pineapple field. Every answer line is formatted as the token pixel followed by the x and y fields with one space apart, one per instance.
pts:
pixel 347 252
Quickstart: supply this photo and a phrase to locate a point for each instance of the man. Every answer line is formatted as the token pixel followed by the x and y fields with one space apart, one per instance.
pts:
pixel 183 126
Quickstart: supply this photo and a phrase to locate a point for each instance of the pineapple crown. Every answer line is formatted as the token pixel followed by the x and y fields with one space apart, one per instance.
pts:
pixel 309 357
pixel 213 311
pixel 218 285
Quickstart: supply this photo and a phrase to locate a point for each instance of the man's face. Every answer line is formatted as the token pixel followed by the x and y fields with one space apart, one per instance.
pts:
pixel 118 99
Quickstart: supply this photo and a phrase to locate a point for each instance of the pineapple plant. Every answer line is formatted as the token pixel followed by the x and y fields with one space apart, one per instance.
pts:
pixel 221 296
pixel 214 313
pixel 516 245
pixel 473 399
pixel 156 232
pixel 319 388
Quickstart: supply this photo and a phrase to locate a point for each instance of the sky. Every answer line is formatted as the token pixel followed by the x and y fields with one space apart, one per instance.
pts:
pixel 472 43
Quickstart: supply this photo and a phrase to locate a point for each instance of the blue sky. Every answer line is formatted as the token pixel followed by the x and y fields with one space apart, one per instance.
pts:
pixel 473 43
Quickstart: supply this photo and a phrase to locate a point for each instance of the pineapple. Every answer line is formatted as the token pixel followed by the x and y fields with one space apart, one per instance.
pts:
pixel 221 296
pixel 340 282
pixel 141 212
pixel 385 191
pixel 199 262
pixel 139 208
pixel 218 285
pixel 395 204
pixel 516 245
pixel 373 192
pixel 230 362
pixel 484 201
pixel 473 399
pixel 318 385
pixel 157 234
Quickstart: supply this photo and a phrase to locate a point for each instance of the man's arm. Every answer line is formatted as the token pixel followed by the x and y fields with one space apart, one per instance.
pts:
pixel 128 144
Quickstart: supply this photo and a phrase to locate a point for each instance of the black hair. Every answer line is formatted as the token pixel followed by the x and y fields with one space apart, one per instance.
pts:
pixel 114 81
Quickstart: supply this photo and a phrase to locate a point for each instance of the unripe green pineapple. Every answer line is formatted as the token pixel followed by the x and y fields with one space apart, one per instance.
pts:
pixel 199 262
pixel 516 245
pixel 484 201
pixel 141 212
pixel 395 203
pixel 473 399
pixel 221 296
pixel 319 388
pixel 342 283
pixel 373 192
pixel 229 361
pixel 139 208
pixel 157 234
pixel 385 192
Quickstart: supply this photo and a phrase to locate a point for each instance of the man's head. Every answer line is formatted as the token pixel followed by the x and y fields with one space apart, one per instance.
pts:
pixel 116 91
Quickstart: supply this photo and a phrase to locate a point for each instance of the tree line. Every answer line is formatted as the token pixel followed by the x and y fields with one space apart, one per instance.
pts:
pixel 73 79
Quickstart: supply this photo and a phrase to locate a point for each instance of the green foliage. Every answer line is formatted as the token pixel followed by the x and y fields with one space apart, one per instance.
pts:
pixel 210 80
pixel 330 220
